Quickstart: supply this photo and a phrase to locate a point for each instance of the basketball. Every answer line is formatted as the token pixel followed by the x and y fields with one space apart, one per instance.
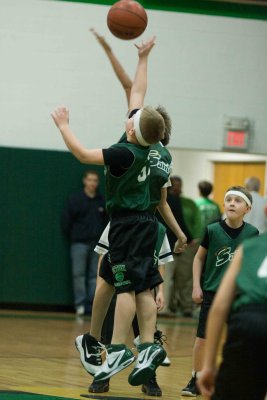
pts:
pixel 127 19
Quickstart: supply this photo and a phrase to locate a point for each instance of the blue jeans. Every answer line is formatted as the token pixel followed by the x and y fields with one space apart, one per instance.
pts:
pixel 84 271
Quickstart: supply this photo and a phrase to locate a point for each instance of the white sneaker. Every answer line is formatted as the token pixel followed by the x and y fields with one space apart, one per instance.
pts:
pixel 149 359
pixel 118 358
pixel 166 362
pixel 80 310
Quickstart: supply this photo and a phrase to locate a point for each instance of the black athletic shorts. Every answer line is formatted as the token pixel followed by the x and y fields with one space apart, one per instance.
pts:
pixel 243 371
pixel 204 311
pixel 130 264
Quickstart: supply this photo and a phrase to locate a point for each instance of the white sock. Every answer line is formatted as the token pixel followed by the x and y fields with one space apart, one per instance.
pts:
pixel 195 374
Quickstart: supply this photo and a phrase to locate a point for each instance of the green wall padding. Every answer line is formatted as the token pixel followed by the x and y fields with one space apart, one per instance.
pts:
pixel 208 7
pixel 34 256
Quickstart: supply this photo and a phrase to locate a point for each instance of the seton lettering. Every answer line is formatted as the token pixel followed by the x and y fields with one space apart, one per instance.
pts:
pixel 224 256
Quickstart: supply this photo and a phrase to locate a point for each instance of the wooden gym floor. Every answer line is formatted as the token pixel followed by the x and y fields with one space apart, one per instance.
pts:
pixel 37 355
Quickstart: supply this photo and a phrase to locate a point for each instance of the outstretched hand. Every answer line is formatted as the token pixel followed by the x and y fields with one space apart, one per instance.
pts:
pixel 60 116
pixel 145 47
pixel 101 40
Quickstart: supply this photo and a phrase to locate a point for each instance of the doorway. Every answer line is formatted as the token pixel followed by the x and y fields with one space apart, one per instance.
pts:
pixel 228 174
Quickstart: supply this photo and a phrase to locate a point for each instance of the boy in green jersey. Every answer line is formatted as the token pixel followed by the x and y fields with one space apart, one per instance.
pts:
pixel 133 229
pixel 211 261
pixel 243 294
pixel 160 167
pixel 209 210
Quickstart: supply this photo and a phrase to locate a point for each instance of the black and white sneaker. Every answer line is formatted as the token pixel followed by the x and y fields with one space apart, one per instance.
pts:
pixel 90 352
pixel 191 389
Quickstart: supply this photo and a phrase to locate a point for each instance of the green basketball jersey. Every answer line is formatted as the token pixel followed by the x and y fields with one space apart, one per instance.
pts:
pixel 252 278
pixel 131 190
pixel 209 211
pixel 160 169
pixel 220 252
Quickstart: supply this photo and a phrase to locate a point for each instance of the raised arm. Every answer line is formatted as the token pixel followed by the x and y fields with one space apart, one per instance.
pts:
pixel 61 118
pixel 139 86
pixel 121 74
pixel 166 213
pixel 216 320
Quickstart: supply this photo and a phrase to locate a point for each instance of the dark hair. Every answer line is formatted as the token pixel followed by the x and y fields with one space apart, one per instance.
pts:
pixel 205 188
pixel 243 190
pixel 176 178
pixel 168 125
pixel 90 172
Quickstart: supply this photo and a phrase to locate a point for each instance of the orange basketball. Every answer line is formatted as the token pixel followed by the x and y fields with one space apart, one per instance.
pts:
pixel 127 19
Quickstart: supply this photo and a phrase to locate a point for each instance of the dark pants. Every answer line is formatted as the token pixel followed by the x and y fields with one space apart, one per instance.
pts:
pixel 243 372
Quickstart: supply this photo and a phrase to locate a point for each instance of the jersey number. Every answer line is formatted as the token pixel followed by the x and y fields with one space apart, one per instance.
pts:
pixel 145 172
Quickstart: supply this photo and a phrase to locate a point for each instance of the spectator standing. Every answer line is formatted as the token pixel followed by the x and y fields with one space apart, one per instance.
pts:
pixel 209 210
pixel 257 216
pixel 178 273
pixel 83 221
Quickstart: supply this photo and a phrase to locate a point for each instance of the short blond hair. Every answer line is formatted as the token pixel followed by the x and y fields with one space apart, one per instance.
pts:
pixel 152 125
pixel 168 124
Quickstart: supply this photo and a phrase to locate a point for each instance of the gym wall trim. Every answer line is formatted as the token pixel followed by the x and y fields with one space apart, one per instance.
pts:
pixel 207 7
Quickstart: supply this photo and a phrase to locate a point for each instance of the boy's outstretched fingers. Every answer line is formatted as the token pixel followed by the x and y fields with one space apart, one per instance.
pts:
pixel 100 39
pixel 147 43
pixel 94 32
pixel 145 47
pixel 60 116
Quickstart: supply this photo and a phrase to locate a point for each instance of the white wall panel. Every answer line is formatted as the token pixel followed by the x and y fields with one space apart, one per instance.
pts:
pixel 203 67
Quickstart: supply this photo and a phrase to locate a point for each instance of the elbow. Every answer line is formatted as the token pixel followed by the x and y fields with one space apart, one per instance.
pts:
pixel 82 157
pixel 83 160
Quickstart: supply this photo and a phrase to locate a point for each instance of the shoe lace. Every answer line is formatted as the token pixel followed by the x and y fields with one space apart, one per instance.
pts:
pixel 101 349
pixel 160 338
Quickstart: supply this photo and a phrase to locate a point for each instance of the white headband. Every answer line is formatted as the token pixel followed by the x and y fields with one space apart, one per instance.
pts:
pixel 138 133
pixel 240 194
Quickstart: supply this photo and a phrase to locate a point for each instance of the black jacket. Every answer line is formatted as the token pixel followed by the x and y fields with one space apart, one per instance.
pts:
pixel 84 218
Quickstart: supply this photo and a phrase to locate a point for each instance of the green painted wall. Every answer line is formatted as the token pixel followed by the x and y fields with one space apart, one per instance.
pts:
pixel 208 7
pixel 34 259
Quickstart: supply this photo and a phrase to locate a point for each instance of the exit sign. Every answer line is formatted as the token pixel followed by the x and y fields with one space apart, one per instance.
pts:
pixel 236 131
pixel 236 139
